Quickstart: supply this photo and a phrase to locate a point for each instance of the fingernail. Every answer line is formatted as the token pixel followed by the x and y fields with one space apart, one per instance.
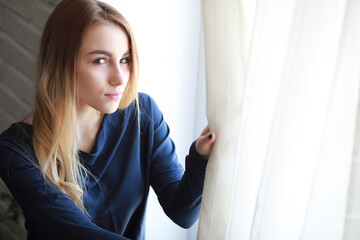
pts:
pixel 210 136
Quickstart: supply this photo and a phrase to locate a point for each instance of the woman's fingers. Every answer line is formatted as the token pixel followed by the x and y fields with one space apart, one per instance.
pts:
pixel 205 143
pixel 206 130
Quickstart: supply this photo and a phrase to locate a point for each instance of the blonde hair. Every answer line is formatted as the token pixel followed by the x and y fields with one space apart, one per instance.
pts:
pixel 54 120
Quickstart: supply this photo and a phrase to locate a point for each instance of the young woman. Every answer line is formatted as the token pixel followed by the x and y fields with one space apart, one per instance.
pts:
pixel 81 166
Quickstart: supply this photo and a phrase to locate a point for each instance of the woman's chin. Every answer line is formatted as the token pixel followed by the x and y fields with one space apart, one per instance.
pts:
pixel 109 109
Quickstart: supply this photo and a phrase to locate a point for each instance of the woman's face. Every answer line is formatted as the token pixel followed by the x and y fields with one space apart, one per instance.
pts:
pixel 103 67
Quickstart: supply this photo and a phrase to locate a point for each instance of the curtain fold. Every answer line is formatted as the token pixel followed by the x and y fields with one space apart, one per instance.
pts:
pixel 222 28
pixel 282 96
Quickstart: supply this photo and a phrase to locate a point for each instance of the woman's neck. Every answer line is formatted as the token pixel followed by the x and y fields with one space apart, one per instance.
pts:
pixel 88 124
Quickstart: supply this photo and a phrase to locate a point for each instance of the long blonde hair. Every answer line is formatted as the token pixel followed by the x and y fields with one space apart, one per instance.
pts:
pixel 54 119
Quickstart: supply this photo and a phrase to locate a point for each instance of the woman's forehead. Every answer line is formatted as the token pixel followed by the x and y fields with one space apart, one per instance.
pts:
pixel 105 36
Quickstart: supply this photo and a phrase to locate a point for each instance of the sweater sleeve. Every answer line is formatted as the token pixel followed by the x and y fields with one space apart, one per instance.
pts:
pixel 179 192
pixel 49 213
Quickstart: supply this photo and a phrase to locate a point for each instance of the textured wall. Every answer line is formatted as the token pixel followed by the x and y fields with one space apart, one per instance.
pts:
pixel 21 22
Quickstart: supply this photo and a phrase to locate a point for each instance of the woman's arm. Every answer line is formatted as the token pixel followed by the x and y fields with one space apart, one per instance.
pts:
pixel 49 213
pixel 179 192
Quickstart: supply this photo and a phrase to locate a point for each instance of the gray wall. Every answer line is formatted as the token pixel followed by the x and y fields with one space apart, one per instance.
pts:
pixel 21 22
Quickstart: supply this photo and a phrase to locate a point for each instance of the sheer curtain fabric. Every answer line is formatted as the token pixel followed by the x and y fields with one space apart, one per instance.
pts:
pixel 282 96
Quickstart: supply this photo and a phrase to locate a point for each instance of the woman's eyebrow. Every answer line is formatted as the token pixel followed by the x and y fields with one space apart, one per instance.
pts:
pixel 103 52
pixel 127 52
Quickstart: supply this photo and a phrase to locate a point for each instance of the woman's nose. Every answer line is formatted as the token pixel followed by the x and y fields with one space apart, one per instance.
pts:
pixel 117 76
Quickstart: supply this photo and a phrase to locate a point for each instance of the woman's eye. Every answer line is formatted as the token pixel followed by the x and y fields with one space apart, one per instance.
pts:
pixel 99 61
pixel 124 60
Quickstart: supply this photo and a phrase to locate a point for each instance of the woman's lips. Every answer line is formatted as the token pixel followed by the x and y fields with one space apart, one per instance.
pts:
pixel 114 96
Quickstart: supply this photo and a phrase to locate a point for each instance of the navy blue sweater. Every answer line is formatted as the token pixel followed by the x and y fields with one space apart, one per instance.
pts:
pixel 125 160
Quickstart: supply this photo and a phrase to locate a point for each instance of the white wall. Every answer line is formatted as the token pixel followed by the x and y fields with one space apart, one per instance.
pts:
pixel 167 33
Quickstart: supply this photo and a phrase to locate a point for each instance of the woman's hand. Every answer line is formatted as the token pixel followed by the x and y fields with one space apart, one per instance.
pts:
pixel 205 143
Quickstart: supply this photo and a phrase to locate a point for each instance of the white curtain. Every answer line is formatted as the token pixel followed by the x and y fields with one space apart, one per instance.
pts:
pixel 282 96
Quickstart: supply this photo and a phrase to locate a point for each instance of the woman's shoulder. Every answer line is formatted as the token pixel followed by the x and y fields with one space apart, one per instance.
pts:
pixel 145 100
pixel 148 108
pixel 147 103
pixel 18 131
pixel 17 137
